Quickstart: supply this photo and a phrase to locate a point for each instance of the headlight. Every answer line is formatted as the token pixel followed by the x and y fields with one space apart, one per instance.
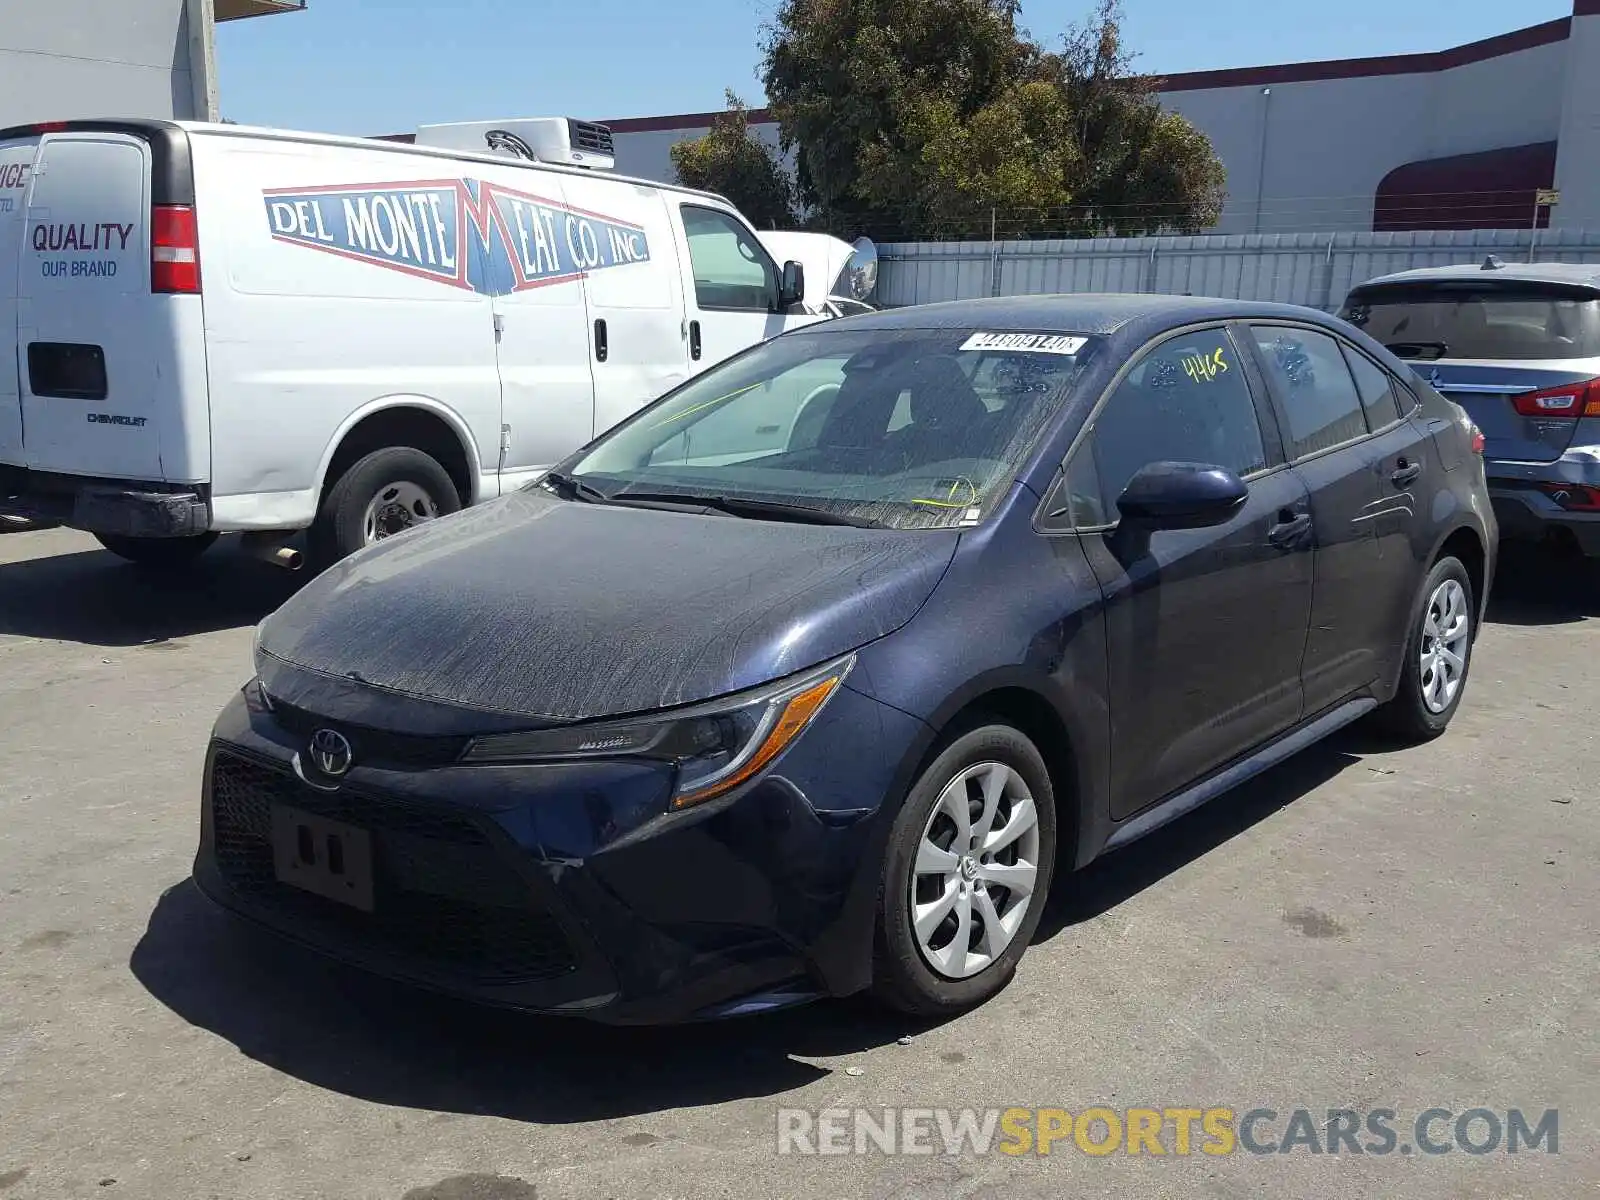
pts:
pixel 716 746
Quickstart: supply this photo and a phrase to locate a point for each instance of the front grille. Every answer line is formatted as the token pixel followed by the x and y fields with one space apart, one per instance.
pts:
pixel 595 139
pixel 373 745
pixel 444 896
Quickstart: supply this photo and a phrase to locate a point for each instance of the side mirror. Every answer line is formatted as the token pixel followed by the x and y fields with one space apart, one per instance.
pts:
pixel 792 288
pixel 1180 495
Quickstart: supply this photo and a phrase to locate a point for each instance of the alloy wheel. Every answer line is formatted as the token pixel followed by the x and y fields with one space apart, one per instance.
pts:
pixel 976 867
pixel 1446 634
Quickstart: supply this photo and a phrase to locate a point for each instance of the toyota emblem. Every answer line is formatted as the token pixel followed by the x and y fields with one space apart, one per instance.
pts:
pixel 331 752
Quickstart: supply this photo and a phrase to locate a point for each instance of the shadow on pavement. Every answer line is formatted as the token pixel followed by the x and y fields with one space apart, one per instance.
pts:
pixel 1537 586
pixel 337 1028
pixel 94 597
pixel 1123 874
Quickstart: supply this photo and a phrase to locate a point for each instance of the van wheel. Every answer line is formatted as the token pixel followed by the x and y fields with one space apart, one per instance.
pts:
pixel 385 493
pixel 966 874
pixel 166 553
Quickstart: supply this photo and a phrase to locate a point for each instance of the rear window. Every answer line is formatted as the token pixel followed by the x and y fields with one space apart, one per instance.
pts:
pixel 1476 320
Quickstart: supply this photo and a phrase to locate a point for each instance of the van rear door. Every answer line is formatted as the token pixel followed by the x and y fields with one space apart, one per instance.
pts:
pixel 16 167
pixel 85 318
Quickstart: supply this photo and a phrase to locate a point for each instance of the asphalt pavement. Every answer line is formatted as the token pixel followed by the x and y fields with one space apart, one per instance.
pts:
pixel 1362 928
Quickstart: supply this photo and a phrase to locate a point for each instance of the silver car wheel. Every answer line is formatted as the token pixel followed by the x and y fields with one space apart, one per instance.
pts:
pixel 975 870
pixel 396 507
pixel 1446 635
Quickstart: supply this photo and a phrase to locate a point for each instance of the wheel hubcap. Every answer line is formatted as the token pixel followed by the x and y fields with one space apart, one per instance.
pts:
pixel 1446 629
pixel 973 879
pixel 396 507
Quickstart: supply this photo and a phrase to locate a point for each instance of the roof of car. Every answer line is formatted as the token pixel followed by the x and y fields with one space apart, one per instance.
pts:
pixel 1582 274
pixel 1092 313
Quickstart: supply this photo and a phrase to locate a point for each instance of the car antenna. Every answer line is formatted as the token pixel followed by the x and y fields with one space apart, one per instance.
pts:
pixel 1494 263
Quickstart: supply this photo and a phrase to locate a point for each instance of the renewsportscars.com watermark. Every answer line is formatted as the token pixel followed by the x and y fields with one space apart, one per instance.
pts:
pixel 1099 1131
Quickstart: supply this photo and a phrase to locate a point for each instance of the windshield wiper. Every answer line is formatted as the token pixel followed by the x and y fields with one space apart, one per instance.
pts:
pixel 575 489
pixel 1417 350
pixel 738 506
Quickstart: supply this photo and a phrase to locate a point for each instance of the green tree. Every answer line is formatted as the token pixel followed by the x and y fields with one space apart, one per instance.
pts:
pixel 931 117
pixel 732 162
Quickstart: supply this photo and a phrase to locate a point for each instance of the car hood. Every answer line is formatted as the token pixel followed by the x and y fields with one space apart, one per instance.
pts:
pixel 537 607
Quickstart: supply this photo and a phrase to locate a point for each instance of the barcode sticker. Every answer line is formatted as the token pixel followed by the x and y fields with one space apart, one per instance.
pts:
pixel 1027 343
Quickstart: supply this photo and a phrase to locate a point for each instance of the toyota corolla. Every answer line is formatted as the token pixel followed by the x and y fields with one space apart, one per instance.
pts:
pixel 811 677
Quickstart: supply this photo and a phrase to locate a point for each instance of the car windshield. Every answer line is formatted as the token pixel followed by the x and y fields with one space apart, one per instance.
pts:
pixel 909 429
pixel 1474 320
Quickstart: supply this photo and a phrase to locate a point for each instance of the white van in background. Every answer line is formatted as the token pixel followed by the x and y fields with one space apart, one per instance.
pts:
pixel 221 328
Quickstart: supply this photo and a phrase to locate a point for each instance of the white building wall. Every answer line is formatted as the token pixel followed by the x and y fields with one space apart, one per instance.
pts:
pixel 1578 159
pixel 104 58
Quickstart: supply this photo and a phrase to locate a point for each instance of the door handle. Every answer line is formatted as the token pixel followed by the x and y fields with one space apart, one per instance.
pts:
pixel 694 340
pixel 1291 527
pixel 602 347
pixel 1406 473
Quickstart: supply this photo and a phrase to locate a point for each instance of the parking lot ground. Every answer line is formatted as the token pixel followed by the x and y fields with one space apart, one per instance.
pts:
pixel 1361 928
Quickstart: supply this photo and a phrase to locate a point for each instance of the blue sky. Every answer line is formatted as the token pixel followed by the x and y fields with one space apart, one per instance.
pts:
pixel 386 66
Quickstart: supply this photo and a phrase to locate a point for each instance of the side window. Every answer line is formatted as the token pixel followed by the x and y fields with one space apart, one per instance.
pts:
pixel 1186 400
pixel 731 269
pixel 1376 388
pixel 1319 396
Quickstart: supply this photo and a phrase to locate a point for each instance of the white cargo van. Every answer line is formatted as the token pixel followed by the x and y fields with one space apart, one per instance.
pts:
pixel 221 328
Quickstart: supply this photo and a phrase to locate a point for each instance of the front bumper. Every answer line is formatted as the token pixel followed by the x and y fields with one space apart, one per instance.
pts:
pixel 111 506
pixel 570 888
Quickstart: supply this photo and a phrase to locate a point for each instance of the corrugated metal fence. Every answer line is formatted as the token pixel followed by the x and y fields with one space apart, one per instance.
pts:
pixel 1314 269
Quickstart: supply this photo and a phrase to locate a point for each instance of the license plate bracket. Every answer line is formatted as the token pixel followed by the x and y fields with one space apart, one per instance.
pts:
pixel 328 858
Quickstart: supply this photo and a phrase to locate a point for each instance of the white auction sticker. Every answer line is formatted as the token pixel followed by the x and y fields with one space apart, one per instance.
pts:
pixel 1027 343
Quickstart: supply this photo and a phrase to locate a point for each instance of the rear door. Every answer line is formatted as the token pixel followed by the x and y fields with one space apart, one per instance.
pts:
pixel 1492 345
pixel 16 169
pixel 1326 438
pixel 85 363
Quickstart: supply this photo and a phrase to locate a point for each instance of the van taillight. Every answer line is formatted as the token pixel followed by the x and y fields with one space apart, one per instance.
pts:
pixel 1580 399
pixel 174 250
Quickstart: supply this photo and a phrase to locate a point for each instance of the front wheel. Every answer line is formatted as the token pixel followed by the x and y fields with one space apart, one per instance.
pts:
pixel 966 874
pixel 1438 655
pixel 160 553
pixel 385 493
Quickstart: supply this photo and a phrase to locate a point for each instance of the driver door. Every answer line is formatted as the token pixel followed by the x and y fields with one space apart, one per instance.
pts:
pixel 732 295
pixel 1205 628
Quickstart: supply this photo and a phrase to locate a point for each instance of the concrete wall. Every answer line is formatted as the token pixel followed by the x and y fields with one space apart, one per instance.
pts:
pixel 1578 159
pixel 104 58
pixel 1328 143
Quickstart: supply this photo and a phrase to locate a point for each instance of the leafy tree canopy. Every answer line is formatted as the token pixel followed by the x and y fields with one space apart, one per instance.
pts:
pixel 937 117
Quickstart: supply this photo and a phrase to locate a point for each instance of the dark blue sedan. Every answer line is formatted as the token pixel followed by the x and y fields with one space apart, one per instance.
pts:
pixel 811 676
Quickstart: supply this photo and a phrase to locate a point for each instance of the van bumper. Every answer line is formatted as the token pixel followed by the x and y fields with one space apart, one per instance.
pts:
pixel 125 508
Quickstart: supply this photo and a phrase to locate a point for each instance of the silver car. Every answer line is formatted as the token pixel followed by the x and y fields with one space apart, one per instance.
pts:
pixel 1517 346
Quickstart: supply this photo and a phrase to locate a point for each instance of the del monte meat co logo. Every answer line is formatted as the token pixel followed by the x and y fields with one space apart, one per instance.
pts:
pixel 462 232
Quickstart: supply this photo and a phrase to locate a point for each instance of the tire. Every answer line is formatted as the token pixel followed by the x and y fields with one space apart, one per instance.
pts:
pixel 341 527
pixel 167 554
pixel 1416 713
pixel 905 975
